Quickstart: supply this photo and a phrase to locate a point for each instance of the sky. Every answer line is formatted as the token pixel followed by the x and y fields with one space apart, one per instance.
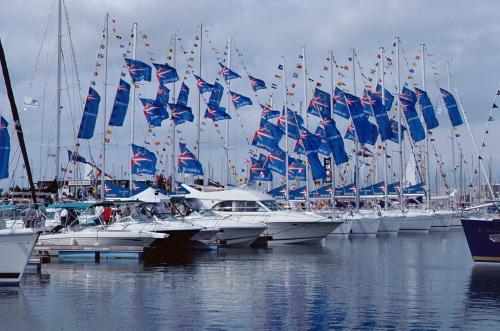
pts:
pixel 460 32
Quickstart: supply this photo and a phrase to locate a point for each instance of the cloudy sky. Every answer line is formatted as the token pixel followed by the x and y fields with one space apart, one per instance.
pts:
pixel 463 33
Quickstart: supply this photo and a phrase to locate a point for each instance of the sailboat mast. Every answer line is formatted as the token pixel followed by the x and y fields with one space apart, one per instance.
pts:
pixel 452 137
pixel 427 162
pixel 304 105
pixel 332 159
pixel 174 134
pixel 132 126
pixel 356 139
pixel 400 142
pixel 382 83
pixel 226 171
pixel 198 128
pixel 287 184
pixel 58 94
pixel 103 173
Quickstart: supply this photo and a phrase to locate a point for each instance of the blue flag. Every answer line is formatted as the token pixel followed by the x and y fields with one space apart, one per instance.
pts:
pixel 365 130
pixel 138 70
pixel 394 127
pixel 240 100
pixel 138 187
pixel 340 104
pixel 451 105
pixel 414 189
pixel 393 189
pixel 216 95
pixel 187 162
pixel 267 137
pixel 296 168
pixel 155 113
pixel 430 119
pixel 324 148
pixel 367 104
pixel 180 114
pixel 75 157
pixel 257 84
pixel 408 100
pixel 202 85
pixel 268 113
pixel 350 132
pixel 324 192
pixel 183 95
pixel 388 97
pixel 317 170
pixel 276 163
pixel 298 193
pixel 278 193
pixel 89 118
pixel 335 140
pixel 165 73
pixel 227 73
pixel 4 148
pixel 121 104
pixel 113 190
pixel 216 113
pixel 143 161
pixel 294 121
pixel 258 172
pixel 384 124
pixel 162 95
pixel 320 104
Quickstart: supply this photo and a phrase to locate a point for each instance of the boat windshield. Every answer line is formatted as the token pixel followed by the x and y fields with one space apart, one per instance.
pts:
pixel 197 206
pixel 271 205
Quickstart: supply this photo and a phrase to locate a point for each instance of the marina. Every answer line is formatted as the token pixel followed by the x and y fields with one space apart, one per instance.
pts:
pixel 180 174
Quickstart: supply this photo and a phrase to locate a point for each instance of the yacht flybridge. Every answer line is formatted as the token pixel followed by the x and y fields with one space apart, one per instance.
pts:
pixel 283 226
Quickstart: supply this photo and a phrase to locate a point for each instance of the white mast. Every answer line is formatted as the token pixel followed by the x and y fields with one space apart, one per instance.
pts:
pixel 58 96
pixel 132 126
pixel 427 162
pixel 382 81
pixel 356 139
pixel 103 172
pixel 198 128
pixel 286 129
pixel 452 137
pixel 400 142
pixel 174 140
pixel 228 105
pixel 332 159
pixel 304 104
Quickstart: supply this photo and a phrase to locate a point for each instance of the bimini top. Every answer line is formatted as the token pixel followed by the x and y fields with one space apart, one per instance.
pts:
pixel 236 194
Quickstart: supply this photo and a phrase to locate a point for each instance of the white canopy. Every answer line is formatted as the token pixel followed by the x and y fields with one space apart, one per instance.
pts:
pixel 149 195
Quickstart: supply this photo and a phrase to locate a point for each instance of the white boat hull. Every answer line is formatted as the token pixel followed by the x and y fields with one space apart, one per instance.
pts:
pixel 344 228
pixel 416 223
pixel 441 222
pixel 100 238
pixel 233 232
pixel 16 247
pixel 300 232
pixel 389 225
pixel 365 226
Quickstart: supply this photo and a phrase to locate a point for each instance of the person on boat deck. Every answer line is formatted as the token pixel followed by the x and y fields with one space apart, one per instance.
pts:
pixel 28 216
pixel 63 215
pixel 106 214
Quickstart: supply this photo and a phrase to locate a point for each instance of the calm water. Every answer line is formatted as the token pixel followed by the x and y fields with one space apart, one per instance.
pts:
pixel 397 282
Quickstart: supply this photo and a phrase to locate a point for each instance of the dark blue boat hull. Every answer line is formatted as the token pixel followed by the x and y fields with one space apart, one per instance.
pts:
pixel 481 245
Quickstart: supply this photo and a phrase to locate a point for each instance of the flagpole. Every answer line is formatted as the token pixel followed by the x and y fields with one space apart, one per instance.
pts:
pixel 174 138
pixel 103 173
pixel 356 140
pixel 427 162
pixel 132 126
pixel 382 81
pixel 287 184
pixel 306 123
pixel 58 96
pixel 400 142
pixel 270 183
pixel 228 105
pixel 332 87
pixel 452 137
pixel 198 130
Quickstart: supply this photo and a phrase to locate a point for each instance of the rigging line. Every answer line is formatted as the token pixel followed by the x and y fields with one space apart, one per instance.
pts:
pixel 13 178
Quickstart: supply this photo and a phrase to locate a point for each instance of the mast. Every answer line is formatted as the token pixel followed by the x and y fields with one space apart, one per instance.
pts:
pixel 228 105
pixel 356 140
pixel 400 142
pixel 103 173
pixel 382 81
pixel 58 94
pixel 132 126
pixel 174 138
pixel 287 184
pixel 452 137
pixel 304 105
pixel 198 129
pixel 427 162
pixel 17 121
pixel 332 162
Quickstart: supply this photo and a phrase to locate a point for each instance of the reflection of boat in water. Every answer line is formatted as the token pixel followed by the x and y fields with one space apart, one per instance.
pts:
pixel 483 237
